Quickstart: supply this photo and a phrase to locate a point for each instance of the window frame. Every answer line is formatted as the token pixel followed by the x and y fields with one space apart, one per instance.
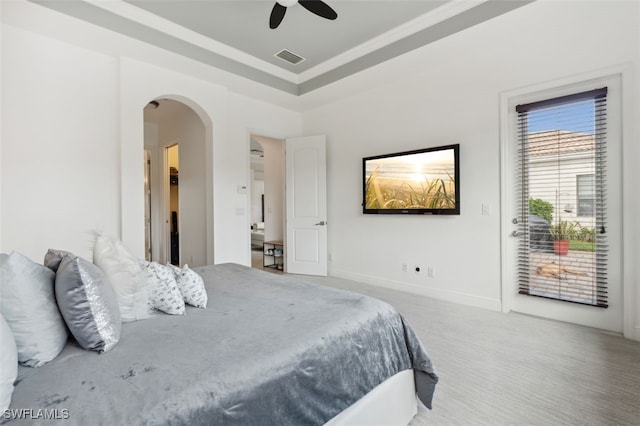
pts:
pixel 580 199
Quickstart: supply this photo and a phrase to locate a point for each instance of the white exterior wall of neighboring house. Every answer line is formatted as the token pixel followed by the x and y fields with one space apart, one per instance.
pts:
pixel 560 186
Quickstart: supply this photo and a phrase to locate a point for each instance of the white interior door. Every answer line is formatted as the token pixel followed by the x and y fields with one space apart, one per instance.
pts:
pixel 306 206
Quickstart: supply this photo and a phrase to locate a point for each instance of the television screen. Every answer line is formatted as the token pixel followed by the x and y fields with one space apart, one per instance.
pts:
pixel 425 181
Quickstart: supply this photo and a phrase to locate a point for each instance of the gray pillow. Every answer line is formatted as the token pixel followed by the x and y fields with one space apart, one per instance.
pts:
pixel 53 258
pixel 28 305
pixel 88 304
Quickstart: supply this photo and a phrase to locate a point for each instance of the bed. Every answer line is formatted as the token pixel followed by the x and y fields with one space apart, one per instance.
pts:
pixel 268 349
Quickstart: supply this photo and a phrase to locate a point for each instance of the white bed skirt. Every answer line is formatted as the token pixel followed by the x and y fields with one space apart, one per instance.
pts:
pixel 392 402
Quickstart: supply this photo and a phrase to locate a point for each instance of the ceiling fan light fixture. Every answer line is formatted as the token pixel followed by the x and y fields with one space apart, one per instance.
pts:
pixel 317 7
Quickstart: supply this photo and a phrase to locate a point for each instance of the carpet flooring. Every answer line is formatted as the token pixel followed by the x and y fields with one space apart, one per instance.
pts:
pixel 513 369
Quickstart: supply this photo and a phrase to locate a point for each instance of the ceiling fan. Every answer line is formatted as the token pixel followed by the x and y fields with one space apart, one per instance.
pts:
pixel 317 7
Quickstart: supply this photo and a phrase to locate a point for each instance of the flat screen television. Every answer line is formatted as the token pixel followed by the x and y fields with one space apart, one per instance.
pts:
pixel 424 181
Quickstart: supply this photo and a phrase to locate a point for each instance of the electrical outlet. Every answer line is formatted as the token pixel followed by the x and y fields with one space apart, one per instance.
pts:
pixel 431 272
pixel 404 267
pixel 329 257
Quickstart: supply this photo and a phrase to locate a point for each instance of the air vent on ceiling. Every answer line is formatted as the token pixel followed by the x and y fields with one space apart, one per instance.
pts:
pixel 287 55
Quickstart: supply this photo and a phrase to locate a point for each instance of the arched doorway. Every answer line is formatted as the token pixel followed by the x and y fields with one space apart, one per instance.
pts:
pixel 177 188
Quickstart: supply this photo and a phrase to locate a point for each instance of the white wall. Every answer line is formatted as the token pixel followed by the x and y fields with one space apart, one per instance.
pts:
pixel 60 154
pixel 633 244
pixel 450 93
pixel 1 127
pixel 631 174
pixel 72 145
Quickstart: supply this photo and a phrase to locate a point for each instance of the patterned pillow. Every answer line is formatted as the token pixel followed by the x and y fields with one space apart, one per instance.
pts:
pixel 88 304
pixel 165 295
pixel 191 286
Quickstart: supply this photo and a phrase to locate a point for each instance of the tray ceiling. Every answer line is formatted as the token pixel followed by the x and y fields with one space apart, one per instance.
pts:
pixel 235 36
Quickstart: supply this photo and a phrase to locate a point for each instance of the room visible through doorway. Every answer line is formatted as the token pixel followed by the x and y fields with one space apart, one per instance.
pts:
pixel 267 203
pixel 173 162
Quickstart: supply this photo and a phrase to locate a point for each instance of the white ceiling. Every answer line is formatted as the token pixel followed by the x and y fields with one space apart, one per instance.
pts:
pixel 244 25
pixel 234 36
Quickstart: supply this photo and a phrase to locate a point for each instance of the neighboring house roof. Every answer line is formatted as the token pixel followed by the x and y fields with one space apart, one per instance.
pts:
pixel 560 142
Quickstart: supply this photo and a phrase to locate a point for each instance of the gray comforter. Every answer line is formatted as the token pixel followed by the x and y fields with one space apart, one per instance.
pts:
pixel 268 349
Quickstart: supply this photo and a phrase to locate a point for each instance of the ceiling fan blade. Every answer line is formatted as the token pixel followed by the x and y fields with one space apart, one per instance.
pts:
pixel 277 15
pixel 320 8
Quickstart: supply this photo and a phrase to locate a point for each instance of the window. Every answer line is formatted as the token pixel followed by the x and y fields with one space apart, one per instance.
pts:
pixel 585 188
pixel 561 164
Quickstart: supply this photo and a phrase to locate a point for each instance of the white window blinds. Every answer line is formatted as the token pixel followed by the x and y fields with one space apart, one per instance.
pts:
pixel 561 190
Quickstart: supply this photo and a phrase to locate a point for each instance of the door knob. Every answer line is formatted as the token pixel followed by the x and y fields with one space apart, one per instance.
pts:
pixel 321 223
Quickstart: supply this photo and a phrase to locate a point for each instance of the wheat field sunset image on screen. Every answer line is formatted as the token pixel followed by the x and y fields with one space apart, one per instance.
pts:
pixel 412 181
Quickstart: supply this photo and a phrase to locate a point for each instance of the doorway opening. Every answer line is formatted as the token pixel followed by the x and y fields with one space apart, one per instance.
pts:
pixel 148 254
pixel 178 183
pixel 172 187
pixel 267 203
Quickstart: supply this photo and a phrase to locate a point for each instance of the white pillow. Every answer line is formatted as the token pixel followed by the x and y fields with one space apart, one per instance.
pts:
pixel 131 282
pixel 165 295
pixel 8 364
pixel 29 306
pixel 191 286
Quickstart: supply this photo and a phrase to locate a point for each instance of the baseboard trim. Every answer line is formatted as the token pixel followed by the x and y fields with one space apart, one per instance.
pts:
pixel 436 293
